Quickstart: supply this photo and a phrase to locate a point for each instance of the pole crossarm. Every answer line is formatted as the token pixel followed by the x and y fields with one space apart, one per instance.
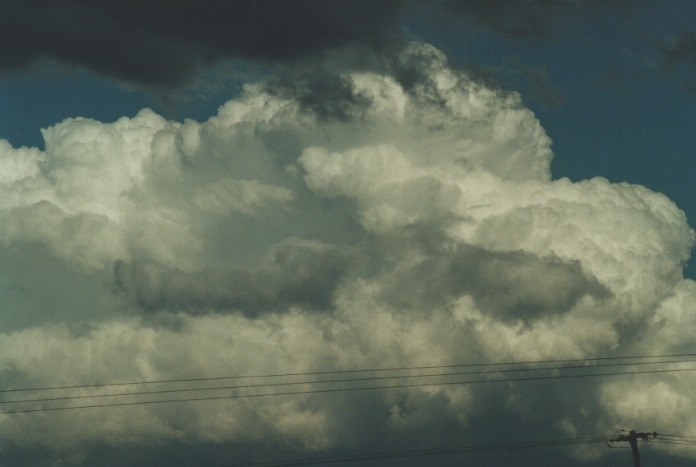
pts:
pixel 632 438
pixel 632 434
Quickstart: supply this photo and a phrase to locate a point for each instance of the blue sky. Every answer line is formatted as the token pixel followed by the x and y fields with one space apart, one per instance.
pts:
pixel 338 186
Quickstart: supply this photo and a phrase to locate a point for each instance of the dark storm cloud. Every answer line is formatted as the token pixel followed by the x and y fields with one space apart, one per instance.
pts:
pixel 161 43
pixel 531 19
pixel 297 274
pixel 510 286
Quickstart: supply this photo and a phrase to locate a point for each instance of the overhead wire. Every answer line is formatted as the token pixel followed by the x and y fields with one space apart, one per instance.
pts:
pixel 358 380
pixel 562 369
pixel 674 439
pixel 332 390
pixel 484 373
pixel 684 443
pixel 431 452
pixel 689 438
pixel 453 450
pixel 691 357
pixel 346 371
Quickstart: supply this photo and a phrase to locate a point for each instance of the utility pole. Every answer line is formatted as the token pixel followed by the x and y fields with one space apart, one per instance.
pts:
pixel 632 438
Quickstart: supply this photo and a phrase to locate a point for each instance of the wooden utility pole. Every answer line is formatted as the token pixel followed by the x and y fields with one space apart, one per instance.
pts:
pixel 632 438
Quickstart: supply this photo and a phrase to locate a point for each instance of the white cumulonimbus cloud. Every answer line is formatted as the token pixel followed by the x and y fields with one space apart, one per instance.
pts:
pixel 418 224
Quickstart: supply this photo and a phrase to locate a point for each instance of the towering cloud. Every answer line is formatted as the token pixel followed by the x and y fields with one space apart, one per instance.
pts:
pixel 380 220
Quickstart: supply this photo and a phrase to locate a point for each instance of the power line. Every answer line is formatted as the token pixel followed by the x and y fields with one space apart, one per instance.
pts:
pixel 362 370
pixel 336 390
pixel 665 441
pixel 675 439
pixel 334 381
pixel 432 452
pixel 457 450
pixel 679 437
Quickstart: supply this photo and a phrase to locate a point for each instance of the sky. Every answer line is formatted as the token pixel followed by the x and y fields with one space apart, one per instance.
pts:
pixel 374 232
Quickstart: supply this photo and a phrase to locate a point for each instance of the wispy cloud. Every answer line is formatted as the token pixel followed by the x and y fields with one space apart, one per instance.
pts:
pixel 679 55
